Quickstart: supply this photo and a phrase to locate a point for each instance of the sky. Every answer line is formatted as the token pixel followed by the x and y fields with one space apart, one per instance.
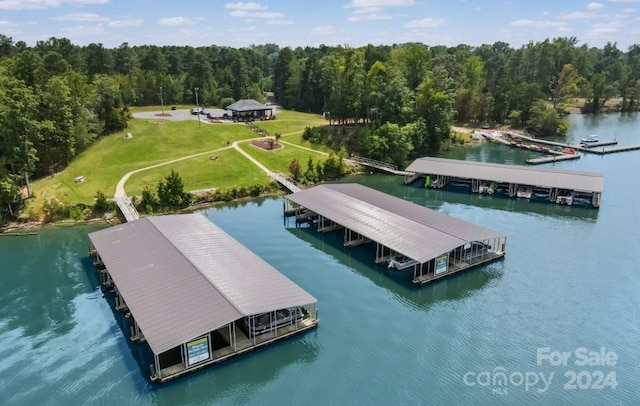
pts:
pixel 311 23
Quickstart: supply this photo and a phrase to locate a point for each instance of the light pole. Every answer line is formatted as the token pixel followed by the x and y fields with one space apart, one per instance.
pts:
pixel 197 105
pixel 161 101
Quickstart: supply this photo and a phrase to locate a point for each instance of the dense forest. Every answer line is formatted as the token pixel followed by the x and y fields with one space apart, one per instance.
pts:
pixel 56 98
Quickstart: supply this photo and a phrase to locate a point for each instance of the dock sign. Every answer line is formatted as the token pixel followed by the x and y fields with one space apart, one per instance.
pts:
pixel 442 263
pixel 198 350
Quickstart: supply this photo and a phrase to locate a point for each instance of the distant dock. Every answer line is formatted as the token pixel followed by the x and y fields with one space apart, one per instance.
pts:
pixel 553 158
pixel 591 148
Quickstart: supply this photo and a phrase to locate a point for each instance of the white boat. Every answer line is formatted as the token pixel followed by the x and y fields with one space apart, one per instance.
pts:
pixel 524 192
pixel 487 188
pixel 590 139
pixel 265 322
pixel 401 262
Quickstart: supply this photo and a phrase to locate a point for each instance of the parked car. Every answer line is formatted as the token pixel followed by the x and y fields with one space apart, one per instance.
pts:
pixel 197 110
pixel 471 250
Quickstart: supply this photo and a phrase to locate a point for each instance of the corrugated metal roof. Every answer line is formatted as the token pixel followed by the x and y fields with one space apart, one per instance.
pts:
pixel 412 230
pixel 247 105
pixel 182 276
pixel 521 175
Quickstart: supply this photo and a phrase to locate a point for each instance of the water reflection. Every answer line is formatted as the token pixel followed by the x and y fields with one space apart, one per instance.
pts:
pixel 361 260
pixel 39 281
pixel 241 377
pixel 436 199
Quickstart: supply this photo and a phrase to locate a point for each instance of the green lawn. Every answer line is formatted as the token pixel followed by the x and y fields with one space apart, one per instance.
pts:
pixel 278 160
pixel 159 141
pixel 288 122
pixel 297 139
pixel 230 169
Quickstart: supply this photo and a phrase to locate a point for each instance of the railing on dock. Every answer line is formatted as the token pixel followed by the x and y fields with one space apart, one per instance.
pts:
pixel 127 208
pixel 384 166
pixel 286 181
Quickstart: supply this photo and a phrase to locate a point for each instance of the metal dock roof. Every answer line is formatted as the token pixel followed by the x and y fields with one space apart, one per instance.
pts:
pixel 521 175
pixel 182 276
pixel 412 230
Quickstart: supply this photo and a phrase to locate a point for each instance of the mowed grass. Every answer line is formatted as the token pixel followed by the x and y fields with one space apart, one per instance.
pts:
pixel 228 170
pixel 288 122
pixel 110 158
pixel 158 141
pixel 297 139
pixel 278 160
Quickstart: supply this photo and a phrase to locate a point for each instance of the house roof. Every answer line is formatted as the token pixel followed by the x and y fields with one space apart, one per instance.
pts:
pixel 247 105
pixel 410 229
pixel 182 276
pixel 521 175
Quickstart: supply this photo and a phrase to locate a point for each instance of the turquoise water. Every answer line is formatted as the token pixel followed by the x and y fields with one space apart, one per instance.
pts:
pixel 569 281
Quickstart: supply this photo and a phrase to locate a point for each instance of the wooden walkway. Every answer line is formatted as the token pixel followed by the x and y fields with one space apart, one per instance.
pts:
pixel 553 158
pixel 384 166
pixel 285 181
pixel 127 208
pixel 590 149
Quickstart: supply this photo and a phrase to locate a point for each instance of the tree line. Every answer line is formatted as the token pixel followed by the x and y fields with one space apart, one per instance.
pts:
pixel 56 97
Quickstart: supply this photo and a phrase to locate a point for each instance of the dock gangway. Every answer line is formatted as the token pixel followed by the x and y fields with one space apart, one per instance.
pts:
pixel 384 166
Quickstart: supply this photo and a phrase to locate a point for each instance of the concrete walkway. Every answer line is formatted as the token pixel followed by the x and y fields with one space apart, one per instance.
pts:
pixel 122 194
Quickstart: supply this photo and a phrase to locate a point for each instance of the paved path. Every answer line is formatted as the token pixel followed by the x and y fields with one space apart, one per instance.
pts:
pixel 120 192
pixel 121 195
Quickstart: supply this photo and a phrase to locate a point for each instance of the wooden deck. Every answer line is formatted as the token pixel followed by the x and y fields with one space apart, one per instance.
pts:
pixel 554 158
pixel 457 266
pixel 243 345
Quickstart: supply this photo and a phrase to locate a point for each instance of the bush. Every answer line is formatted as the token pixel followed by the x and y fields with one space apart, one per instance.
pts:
pixel 55 210
pixel 101 205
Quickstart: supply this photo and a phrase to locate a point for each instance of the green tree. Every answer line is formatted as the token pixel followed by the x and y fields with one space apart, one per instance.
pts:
pixel 294 169
pixel 434 103
pixel 546 121
pixel 171 192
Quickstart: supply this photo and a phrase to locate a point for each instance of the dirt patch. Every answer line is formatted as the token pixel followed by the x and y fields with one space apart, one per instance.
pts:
pixel 163 115
pixel 266 145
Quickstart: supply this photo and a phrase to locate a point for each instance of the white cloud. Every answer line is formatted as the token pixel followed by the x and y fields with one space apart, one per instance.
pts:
pixel 595 6
pixel 173 21
pixel 245 6
pixel 256 14
pixel 379 3
pixel 539 24
pixel 134 22
pixel 80 17
pixel 426 23
pixel 369 10
pixel 607 28
pixel 279 22
pixel 370 17
pixel 577 15
pixel 83 30
pixel 42 4
pixel 324 30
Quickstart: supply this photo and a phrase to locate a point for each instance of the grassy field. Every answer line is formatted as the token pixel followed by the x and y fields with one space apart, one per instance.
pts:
pixel 288 122
pixel 228 170
pixel 278 160
pixel 159 141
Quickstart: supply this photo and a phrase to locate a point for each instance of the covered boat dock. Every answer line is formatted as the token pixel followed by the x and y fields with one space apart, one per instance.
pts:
pixel 405 234
pixel 194 294
pixel 557 186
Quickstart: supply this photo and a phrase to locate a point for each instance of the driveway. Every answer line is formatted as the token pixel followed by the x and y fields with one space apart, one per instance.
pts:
pixel 173 115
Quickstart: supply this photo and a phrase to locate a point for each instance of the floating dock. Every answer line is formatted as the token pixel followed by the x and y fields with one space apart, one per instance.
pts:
pixel 553 158
pixel 405 234
pixel 488 177
pixel 194 294
pixel 590 148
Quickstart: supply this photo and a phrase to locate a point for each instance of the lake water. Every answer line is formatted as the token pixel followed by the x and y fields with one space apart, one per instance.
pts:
pixel 569 283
